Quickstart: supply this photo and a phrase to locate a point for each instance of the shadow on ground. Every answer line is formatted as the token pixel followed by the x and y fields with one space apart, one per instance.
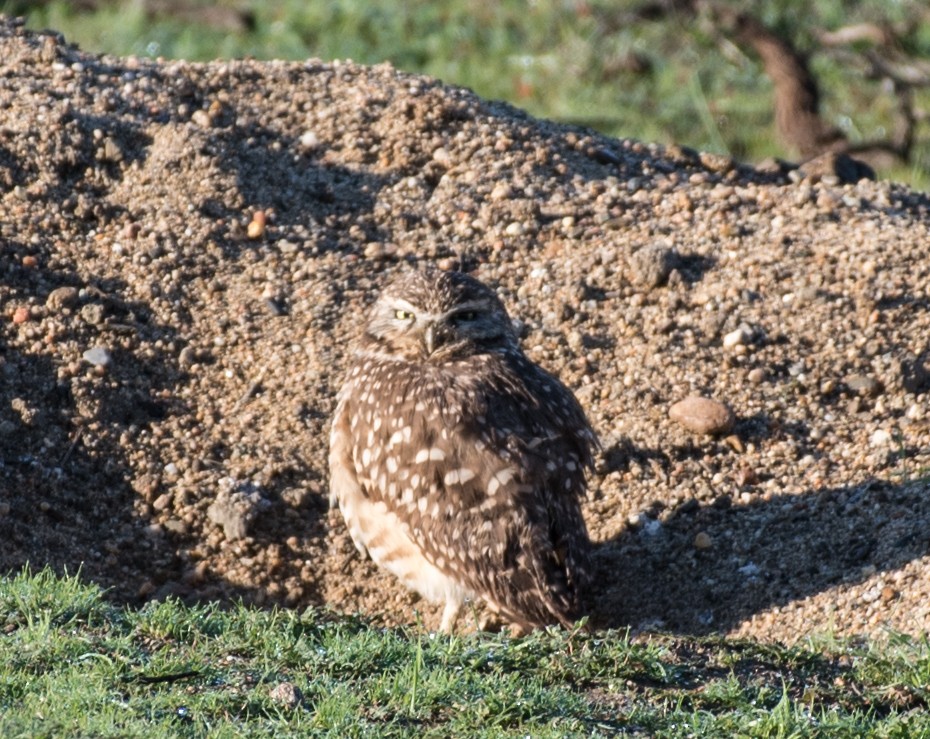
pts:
pixel 754 557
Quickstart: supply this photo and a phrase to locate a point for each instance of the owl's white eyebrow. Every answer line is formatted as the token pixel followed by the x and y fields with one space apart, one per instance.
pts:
pixel 401 304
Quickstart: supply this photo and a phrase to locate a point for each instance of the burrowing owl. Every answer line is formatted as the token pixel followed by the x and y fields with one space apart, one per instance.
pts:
pixel 457 463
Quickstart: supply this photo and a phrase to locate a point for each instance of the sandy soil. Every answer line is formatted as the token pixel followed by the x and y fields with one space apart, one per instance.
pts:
pixel 186 252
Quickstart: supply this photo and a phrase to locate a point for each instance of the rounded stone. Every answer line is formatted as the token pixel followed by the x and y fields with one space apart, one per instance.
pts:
pixel 703 541
pixel 737 337
pixel 287 694
pixel 62 297
pixel 651 265
pixel 864 385
pixel 702 415
pixel 93 313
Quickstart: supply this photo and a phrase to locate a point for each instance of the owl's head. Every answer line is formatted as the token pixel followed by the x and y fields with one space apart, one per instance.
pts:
pixel 435 316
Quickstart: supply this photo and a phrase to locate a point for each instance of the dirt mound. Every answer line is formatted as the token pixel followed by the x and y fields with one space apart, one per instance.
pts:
pixel 168 360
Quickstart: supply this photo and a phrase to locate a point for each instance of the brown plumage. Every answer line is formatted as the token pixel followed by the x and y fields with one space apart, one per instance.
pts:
pixel 457 463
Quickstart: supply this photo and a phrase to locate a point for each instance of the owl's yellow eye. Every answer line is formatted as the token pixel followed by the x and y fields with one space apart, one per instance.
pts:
pixel 403 315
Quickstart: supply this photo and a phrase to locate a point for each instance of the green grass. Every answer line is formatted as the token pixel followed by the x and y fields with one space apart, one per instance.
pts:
pixel 72 664
pixel 566 61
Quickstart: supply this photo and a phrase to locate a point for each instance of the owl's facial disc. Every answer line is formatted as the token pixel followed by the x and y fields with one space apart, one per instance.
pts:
pixel 440 334
pixel 436 334
pixel 437 317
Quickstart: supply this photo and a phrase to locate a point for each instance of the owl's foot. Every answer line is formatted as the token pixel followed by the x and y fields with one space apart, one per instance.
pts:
pixel 450 614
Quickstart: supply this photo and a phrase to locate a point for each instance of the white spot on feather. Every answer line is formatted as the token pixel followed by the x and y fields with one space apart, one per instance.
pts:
pixel 499 479
pixel 434 453
pixel 459 476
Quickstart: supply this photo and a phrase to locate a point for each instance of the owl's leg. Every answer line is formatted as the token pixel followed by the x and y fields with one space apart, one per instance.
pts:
pixel 489 620
pixel 495 621
pixel 450 614
pixel 517 630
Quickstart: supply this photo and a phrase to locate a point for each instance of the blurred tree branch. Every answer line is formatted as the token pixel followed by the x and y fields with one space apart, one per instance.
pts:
pixel 799 124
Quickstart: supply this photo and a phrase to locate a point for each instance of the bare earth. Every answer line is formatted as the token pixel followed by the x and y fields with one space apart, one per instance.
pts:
pixel 167 370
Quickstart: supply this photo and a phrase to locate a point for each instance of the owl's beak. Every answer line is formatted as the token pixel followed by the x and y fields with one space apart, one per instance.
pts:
pixel 436 336
pixel 430 338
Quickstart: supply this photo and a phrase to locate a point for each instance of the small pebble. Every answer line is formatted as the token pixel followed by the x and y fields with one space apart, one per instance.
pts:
pixel 98 356
pixel 130 231
pixel 865 385
pixel 716 162
pixel 879 437
pixel 256 227
pixel 162 501
pixel 651 265
pixel 738 337
pixel 112 151
pixel 374 250
pixel 287 694
pixel 62 297
pixel 735 443
pixel 21 314
pixel 702 415
pixel 703 540
pixel 202 118
pixel 502 191
pixel 746 476
pixel 93 313
pixel 234 508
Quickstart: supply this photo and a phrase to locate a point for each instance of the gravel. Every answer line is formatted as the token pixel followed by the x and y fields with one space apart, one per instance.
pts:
pixel 188 250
